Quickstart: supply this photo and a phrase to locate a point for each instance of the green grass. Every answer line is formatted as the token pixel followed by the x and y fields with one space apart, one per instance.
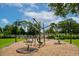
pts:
pixel 7 41
pixel 74 41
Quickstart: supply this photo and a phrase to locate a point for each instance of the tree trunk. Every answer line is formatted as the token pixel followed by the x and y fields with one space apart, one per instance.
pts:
pixel 15 38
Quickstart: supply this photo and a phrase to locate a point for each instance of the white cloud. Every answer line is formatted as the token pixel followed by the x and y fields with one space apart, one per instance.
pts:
pixel 34 5
pixel 28 9
pixel 56 20
pixel 14 4
pixel 41 16
pixel 75 18
pixel 4 21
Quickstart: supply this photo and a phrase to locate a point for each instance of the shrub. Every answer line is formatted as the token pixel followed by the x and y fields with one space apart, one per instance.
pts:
pixel 67 36
pixel 51 36
pixel 64 36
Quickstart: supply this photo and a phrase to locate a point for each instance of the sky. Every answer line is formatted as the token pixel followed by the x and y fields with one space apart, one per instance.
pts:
pixel 10 12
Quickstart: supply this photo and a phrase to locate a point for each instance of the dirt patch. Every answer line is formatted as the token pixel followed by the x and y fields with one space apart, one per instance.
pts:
pixel 50 49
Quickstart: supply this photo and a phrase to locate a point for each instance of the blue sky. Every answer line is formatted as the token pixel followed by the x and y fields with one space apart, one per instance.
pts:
pixel 9 13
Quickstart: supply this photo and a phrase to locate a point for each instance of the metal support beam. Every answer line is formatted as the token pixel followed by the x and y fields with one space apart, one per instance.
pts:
pixel 44 33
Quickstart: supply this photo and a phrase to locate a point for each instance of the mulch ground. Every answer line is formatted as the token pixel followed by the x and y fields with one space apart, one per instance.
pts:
pixel 50 49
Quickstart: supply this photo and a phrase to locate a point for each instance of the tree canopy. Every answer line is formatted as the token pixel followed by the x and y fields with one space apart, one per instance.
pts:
pixel 62 9
pixel 0 29
pixel 19 27
pixel 68 26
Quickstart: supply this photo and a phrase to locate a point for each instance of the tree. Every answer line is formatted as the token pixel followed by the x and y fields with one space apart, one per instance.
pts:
pixel 33 29
pixel 62 9
pixel 52 26
pixel 10 29
pixel 0 30
pixel 21 25
pixel 14 30
pixel 21 31
pixel 7 30
pixel 68 26
pixel 76 29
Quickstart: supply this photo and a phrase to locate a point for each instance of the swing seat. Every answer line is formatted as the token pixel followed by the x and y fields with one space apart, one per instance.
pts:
pixel 40 42
pixel 29 41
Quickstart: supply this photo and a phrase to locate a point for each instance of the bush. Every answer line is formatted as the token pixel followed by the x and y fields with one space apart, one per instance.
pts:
pixel 67 36
pixel 51 36
pixel 64 36
pixel 6 36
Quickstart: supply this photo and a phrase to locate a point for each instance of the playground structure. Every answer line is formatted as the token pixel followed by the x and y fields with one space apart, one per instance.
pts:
pixel 36 39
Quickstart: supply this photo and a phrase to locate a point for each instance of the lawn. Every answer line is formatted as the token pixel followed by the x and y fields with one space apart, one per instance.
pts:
pixel 74 41
pixel 8 41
